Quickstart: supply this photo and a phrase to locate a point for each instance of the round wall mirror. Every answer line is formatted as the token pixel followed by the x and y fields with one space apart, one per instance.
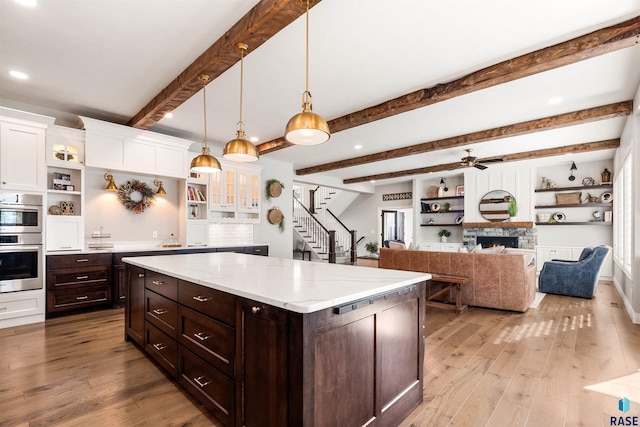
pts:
pixel 494 206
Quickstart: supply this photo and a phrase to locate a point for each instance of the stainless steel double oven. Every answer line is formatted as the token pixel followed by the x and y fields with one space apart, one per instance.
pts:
pixel 21 260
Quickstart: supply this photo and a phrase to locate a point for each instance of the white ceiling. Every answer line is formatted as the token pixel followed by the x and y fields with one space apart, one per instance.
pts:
pixel 108 58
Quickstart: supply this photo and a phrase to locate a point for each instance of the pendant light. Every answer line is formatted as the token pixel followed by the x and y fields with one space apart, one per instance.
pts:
pixel 571 169
pixel 205 162
pixel 239 149
pixel 307 128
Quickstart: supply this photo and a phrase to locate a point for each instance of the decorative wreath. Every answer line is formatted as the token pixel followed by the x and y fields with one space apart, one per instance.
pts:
pixel 273 188
pixel 137 204
pixel 275 216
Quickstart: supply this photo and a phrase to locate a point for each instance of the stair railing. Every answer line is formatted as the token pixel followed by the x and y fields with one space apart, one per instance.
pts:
pixel 345 238
pixel 321 240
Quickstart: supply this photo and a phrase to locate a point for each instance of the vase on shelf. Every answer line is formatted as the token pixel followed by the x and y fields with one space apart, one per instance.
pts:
pixel 443 239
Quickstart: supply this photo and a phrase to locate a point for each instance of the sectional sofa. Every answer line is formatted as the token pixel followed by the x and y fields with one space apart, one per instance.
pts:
pixel 505 280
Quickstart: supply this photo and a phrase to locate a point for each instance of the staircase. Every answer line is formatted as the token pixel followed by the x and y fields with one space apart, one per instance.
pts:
pixel 329 239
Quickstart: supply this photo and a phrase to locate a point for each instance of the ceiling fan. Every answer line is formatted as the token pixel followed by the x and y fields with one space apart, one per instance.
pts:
pixel 471 161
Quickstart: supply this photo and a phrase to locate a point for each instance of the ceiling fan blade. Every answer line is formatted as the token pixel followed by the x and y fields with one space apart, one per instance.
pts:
pixel 479 166
pixel 497 159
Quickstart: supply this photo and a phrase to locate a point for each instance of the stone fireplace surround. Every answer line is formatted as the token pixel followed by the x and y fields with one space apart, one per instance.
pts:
pixel 524 231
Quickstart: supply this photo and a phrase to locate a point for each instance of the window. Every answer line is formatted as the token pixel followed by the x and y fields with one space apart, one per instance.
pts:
pixel 623 216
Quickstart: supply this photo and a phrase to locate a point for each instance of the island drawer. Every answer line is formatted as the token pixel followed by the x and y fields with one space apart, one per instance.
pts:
pixel 62 300
pixel 161 312
pixel 211 302
pixel 163 349
pixel 211 340
pixel 79 260
pixel 212 388
pixel 162 284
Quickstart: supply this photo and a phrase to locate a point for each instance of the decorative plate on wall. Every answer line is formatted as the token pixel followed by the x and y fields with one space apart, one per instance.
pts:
pixel 559 217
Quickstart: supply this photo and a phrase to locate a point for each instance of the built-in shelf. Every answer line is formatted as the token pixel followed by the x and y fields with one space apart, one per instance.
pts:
pixel 576 223
pixel 581 187
pixel 499 224
pixel 442 198
pixel 575 205
pixel 445 212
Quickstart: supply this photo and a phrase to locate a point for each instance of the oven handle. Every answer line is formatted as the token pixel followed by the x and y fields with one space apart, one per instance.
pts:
pixel 20 248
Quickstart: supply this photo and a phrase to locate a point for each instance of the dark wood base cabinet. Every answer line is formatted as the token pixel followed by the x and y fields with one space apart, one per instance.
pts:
pixel 76 282
pixel 255 365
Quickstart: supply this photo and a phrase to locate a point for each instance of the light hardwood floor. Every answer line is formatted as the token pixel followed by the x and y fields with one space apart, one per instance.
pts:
pixel 484 368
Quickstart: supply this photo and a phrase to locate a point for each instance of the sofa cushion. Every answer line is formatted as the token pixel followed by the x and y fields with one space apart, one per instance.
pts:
pixel 476 248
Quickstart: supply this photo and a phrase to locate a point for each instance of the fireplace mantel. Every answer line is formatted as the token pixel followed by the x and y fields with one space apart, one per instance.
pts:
pixel 502 224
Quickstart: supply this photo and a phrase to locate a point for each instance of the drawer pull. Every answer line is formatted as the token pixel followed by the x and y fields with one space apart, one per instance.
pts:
pixel 201 299
pixel 256 309
pixel 202 336
pixel 158 282
pixel 140 274
pixel 159 311
pixel 202 381
pixel 82 298
pixel 82 277
pixel 82 260
pixel 159 346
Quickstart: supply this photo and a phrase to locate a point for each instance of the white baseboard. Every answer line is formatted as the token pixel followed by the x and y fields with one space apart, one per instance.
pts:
pixel 635 317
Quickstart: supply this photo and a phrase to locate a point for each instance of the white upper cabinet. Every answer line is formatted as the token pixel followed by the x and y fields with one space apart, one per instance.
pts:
pixel 121 148
pixel 22 150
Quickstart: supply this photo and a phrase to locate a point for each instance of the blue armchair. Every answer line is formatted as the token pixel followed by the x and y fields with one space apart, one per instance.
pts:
pixel 574 278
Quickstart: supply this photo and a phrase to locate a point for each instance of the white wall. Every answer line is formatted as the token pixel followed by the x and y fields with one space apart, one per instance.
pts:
pixel 102 208
pixel 280 244
pixel 363 215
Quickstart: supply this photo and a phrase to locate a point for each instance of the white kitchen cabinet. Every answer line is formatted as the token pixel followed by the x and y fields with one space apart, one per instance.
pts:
pixel 22 157
pixel 121 148
pixel 64 233
pixel 21 308
pixel 235 193
pixel 197 233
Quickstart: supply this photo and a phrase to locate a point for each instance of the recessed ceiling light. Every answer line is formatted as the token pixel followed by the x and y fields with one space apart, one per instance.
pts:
pixel 373 181
pixel 18 75
pixel 554 100
pixel 168 116
pixel 254 139
pixel 357 147
pixel 28 3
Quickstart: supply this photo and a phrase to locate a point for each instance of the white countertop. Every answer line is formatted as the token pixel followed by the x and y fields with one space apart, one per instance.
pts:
pixel 295 285
pixel 147 247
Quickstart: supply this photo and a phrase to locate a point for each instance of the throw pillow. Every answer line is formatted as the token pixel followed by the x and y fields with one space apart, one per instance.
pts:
pixel 477 248
pixel 529 255
pixel 493 250
pixel 397 245
pixel 463 250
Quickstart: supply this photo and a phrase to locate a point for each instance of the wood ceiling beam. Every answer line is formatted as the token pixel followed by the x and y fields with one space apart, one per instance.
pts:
pixel 597 43
pixel 528 155
pixel 553 122
pixel 261 23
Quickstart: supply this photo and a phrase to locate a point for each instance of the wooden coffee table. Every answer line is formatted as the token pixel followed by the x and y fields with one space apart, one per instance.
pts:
pixel 454 283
